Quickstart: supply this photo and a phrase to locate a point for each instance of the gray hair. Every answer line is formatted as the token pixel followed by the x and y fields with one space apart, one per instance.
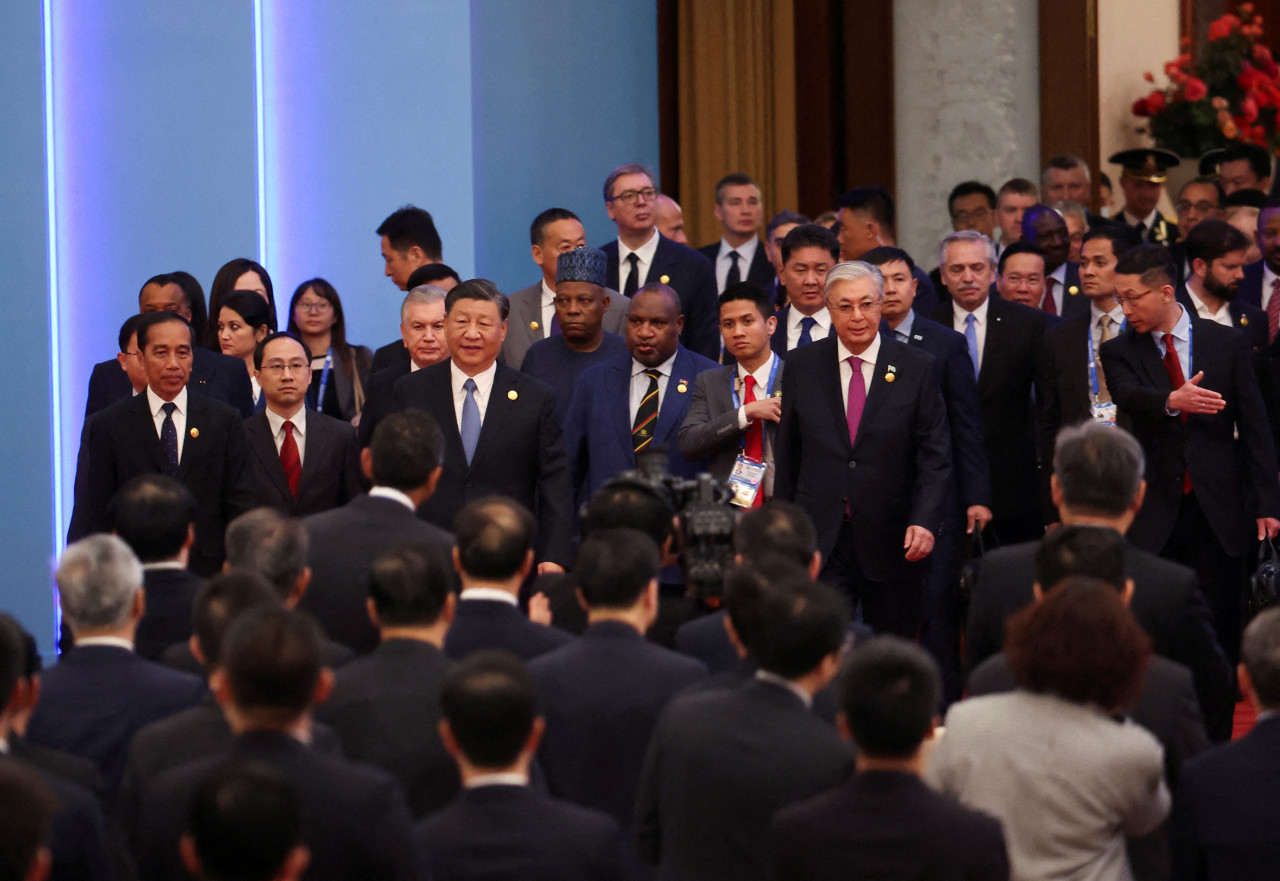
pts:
pixel 267 543
pixel 966 235
pixel 1099 468
pixel 422 295
pixel 1260 652
pixel 852 270
pixel 1065 162
pixel 1067 207
pixel 98 578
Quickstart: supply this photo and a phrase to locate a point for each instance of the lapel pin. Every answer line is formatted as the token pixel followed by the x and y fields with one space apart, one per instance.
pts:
pixel 1073 290
pixel 888 377
pixel 666 279
pixel 916 336
pixel 533 325
pixel 1244 319
pixel 892 369
pixel 195 432
pixel 682 387
pixel 512 395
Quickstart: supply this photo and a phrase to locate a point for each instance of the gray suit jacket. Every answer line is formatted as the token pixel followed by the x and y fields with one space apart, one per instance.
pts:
pixel 524 321
pixel 710 430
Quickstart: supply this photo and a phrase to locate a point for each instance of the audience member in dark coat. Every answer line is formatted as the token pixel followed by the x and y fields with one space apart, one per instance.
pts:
pixel 50 814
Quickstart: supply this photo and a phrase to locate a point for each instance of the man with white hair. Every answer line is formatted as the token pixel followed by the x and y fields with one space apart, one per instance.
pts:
pixel 422 334
pixel 97 696
pixel 863 447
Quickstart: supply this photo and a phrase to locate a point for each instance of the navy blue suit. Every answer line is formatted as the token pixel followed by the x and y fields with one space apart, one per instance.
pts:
pixel 493 624
pixel 377 397
pixel 693 277
pixel 553 362
pixel 77 838
pixel 170 595
pixel 213 375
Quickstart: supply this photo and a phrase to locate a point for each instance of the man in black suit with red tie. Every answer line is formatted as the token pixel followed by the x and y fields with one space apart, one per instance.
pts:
pixel 868 409
pixel 1189 389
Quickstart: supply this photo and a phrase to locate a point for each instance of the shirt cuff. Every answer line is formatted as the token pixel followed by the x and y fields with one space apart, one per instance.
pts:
pixel 743 421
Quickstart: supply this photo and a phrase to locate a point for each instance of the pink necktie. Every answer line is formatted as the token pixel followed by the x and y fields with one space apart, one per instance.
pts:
pixel 1273 311
pixel 857 398
pixel 1048 304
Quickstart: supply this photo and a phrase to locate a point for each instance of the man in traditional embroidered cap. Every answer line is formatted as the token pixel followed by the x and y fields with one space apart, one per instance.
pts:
pixel 1145 172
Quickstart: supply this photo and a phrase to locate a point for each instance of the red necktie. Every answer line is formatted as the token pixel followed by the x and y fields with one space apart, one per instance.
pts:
pixel 1273 311
pixel 290 459
pixel 1047 304
pixel 1177 379
pixel 754 436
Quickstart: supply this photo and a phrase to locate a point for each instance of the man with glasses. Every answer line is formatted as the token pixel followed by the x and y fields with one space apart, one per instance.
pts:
pixel 641 255
pixel 971 205
pixel 303 461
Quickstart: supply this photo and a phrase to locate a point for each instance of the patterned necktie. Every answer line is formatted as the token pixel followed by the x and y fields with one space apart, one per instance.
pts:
pixel 735 275
pixel 290 460
pixel 857 398
pixel 646 414
pixel 633 276
pixel 470 420
pixel 1104 334
pixel 1173 367
pixel 169 436
pixel 806 325
pixel 971 337
pixel 1273 311
pixel 1048 304
pixel 754 436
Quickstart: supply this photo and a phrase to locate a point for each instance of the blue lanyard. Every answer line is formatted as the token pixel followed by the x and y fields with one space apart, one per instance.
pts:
pixel 733 388
pixel 1093 366
pixel 324 379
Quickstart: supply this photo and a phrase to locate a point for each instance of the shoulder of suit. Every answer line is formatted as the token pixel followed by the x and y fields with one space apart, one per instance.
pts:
pixel 692 360
pixel 205 407
pixel 325 423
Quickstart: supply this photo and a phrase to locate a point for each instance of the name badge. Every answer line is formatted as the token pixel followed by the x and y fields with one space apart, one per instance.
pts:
pixel 745 481
pixel 1104 414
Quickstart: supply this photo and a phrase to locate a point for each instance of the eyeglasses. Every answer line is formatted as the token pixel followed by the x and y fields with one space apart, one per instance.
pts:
pixel 316 307
pixel 1204 206
pixel 1019 280
pixel 277 369
pixel 629 197
pixel 1122 300
pixel 975 215
pixel 845 310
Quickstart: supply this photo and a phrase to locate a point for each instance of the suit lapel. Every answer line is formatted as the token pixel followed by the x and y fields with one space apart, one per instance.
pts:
pixel 146 430
pixel 829 380
pixel 991 346
pixel 661 260
pixel 879 389
pixel 197 439
pixel 500 402
pixel 439 391
pixel 676 401
pixel 618 401
pixel 319 440
pixel 778 342
pixel 1149 358
pixel 264 447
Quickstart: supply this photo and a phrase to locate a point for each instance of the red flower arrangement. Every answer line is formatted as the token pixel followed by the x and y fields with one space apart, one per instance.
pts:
pixel 1232 94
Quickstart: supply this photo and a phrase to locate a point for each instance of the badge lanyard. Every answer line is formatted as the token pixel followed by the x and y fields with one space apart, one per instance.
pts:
pixel 733 389
pixel 324 379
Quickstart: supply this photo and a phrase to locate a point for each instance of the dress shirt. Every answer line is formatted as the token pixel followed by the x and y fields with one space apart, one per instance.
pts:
pixel 1222 316
pixel 868 356
pixel 762 387
pixel 821 328
pixel 484 385
pixel 640 384
pixel 387 492
pixel 1117 319
pixel 1149 221
pixel 548 309
pixel 257 389
pixel 1268 282
pixel 1181 338
pixel 299 420
pixel 155 402
pixel 413 365
pixel 902 333
pixel 493 594
pixel 781 682
pixel 1059 275
pixel 979 323
pixel 511 778
pixel 118 642
pixel 163 564
pixel 645 252
pixel 746 254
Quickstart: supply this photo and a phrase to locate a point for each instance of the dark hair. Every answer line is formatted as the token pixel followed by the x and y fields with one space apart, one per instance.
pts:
pixel 127 330
pixel 545 219
pixel 249 306
pixel 493 535
pixel 614 567
pixel 1099 468
pixel 971 188
pixel 882 254
pixel 801 622
pixel 478 289
pixel 27 806
pixel 621 502
pixel 1122 238
pixel 1247 197
pixel 223 284
pixel 810 235
pixel 745 587
pixel 1211 239
pixel 1151 263
pixel 1207 182
pixel 148 320
pixel 1019 186
pixel 1258 157
pixel 781 219
pixel 13 656
pixel 409 584
pixel 745 290
pixel 152 513
pixel 491 703
pixel 1260 653
pixel 778 528
pixel 195 300
pixel 244 819
pixel 406 447
pixel 629 168
pixel 271 544
pixel 737 179
pixel 1104 180
pixel 1095 552
pixel 272 659
pixel 1080 643
pixel 874 200
pixel 430 273
pixel 220 601
pixel 409 226
pixel 1022 246
pixel 890 691
pixel 261 348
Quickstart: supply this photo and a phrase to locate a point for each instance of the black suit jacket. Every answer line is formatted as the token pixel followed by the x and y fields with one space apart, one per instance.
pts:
pixel 706 639
pixel 719 766
pixel 121 442
pixel 77 841
pixel 213 375
pixel 354 818
pixel 1074 302
pixel 331 474
pixel 493 624
pixel 179 656
pixel 170 594
pixel 513 832
pixel 1234 481
pixel 760 273
pixel 601 696
pixel 693 277
pixel 1166 602
pixel 72 768
pixel 385 707
pixel 393 354
pixel 886 824
pixel 519 453
pixel 377 397
pixel 899 469
pixel 343 545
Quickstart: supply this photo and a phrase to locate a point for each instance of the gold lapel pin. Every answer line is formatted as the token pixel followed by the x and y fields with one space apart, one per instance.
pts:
pixel 512 395
pixel 888 377
pixel 682 387
pixel 533 325
pixel 195 432
pixel 1244 319
pixel 666 279
pixel 1073 290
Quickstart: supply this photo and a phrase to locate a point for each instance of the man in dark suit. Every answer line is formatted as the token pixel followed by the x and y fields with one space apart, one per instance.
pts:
pixel 739 255
pixel 166 430
pixel 1097 481
pixel 808 252
pixel 1261 283
pixel 1046 229
pixel 857 399
pixel 721 763
pixel 1221 825
pixel 971 204
pixel 601 694
pixel 1003 339
pixel 396 354
pixel 385 706
pixel 1209 494
pixel 640 255
pixel 100 694
pixel 1145 172
pixel 499 827
pixel 774 233
pixel 403 463
pixel 422 338
pixel 303 462
pixel 635 403
pixel 123 377
pixel 885 822
pixel 501 434
pixel 554 232
pixel 354 818
pixel 493 557
pixel 868 219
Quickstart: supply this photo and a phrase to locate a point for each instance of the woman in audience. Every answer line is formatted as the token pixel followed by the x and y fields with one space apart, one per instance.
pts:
pixel 1055 761
pixel 240 274
pixel 339 370
pixel 243 323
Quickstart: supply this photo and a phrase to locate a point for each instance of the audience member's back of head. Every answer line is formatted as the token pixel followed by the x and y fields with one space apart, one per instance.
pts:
pixel 409 585
pixel 745 588
pixel 890 692
pixel 271 656
pixel 1260 654
pixel 778 528
pixel 491 703
pixel 801 622
pixel 614 567
pixel 493 537
pixel 406 448
pixel 625 504
pixel 244 821
pixel 1098 469
pixel 1085 551
pixel 98 579
pixel 27 806
pixel 153 513
pixel 219 602
pixel 268 543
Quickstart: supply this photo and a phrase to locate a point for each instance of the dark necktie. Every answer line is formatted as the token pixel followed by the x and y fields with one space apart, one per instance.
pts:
pixel 169 436
pixel 735 275
pixel 806 325
pixel 1173 367
pixel 646 414
pixel 290 460
pixel 1273 311
pixel 1141 229
pixel 1047 304
pixel 633 277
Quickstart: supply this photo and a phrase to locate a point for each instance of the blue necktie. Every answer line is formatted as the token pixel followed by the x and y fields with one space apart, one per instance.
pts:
pixel 971 337
pixel 470 420
pixel 169 436
pixel 806 325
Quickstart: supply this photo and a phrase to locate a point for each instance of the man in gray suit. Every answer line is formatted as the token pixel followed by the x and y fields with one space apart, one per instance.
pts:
pixel 532 315
pixel 735 409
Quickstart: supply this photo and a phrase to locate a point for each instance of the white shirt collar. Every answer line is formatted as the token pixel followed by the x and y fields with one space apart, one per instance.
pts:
pixel 761 374
pixel 484 379
pixel 869 355
pixel 493 594
pixel 113 641
pixel 1059 275
pixel 163 564
pixel 1149 221
pixel 1222 316
pixel 387 492
pixel 746 252
pixel 506 778
pixel 664 368
pixel 299 419
pixel 1117 314
pixel 155 402
pixel 781 682
pixel 548 295
pixel 822 318
pixel 979 314
pixel 645 252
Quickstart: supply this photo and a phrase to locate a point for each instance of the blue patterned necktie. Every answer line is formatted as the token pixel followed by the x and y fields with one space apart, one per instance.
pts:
pixel 470 420
pixel 169 436
pixel 806 325
pixel 971 337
